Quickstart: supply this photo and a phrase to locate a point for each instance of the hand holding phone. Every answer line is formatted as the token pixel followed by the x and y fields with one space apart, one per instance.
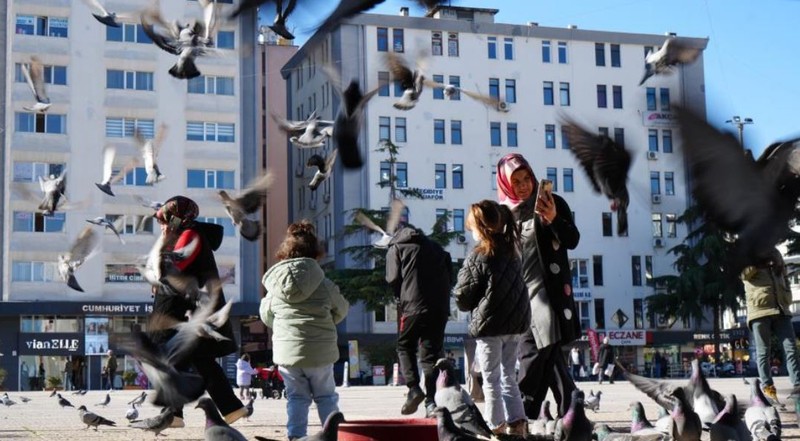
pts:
pixel 545 186
pixel 545 206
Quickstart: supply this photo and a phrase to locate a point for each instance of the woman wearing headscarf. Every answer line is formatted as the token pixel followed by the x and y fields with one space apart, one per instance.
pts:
pixel 547 232
pixel 187 249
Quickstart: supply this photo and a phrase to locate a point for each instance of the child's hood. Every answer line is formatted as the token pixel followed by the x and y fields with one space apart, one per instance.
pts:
pixel 293 280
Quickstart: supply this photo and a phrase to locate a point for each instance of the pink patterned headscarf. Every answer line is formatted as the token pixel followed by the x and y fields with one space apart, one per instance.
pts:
pixel 507 165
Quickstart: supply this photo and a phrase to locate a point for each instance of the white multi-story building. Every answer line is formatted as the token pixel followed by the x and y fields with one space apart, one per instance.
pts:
pixel 105 83
pixel 449 147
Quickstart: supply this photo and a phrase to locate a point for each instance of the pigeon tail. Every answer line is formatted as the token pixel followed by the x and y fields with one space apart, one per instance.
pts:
pixel 280 29
pixel 185 72
pixel 72 282
pixel 105 188
pixel 108 20
pixel 350 154
pixel 622 221
pixel 250 229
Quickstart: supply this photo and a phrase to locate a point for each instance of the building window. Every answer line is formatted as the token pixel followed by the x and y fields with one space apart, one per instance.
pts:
pixel 225 40
pixel 511 91
pixel 657 227
pixel 458 176
pixel 508 46
pixel 441 220
pixel 438 92
pixel 209 131
pixel 436 44
pixel 552 174
pixel 666 140
pixel 651 98
pixel 619 136
pixel 120 79
pixel 636 270
pixel 455 81
pixel 27 271
pixel 580 273
pixel 440 176
pixel 210 85
pixel 669 183
pixel 603 131
pixel 549 136
pixel 569 185
pixel 583 313
pixel 672 230
pixel 607 227
pixel 597 270
pixel 126 127
pixel 198 178
pixel 602 99
pixel 599 313
pixel 615 56
pixel 455 132
pixel 616 91
pixel 128 33
pixel 493 182
pixel 664 99
pixel 398 40
pixel 438 131
pixel 545 51
pixel 383 82
pixel 385 128
pixel 648 271
pixel 564 93
pixel 136 177
pixel 26 171
pixel 383 39
pixel 452 44
pixel 43 26
pixel 56 75
pixel 385 173
pixel 655 183
pixel 40 123
pixel 638 314
pixel 458 220
pixel 511 134
pixel 35 222
pixel 494 88
pixel 599 54
pixel 652 140
pixel 564 138
pixel 401 173
pixel 494 131
pixel 562 52
pixel 547 91
pixel 491 47
pixel 400 129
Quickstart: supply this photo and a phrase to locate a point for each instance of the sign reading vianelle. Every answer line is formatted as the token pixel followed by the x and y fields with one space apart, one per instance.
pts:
pixel 50 343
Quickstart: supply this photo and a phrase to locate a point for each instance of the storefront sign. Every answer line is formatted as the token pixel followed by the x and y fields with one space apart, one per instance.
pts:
pixel 117 308
pixel 430 193
pixel 627 338
pixel 582 295
pixel 730 334
pixel 453 341
pixel 50 343
pixel 659 119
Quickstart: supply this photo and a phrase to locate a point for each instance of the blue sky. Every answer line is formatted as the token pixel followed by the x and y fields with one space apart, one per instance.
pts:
pixel 752 63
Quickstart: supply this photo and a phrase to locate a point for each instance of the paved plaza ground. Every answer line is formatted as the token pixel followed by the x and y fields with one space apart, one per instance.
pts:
pixel 43 419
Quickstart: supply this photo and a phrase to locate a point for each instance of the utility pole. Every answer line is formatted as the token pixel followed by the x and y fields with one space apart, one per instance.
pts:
pixel 740 123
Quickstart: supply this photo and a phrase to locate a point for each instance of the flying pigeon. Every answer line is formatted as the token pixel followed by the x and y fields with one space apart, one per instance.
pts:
pixel 109 152
pixel 53 188
pixel 606 163
pixel 754 201
pixel 34 75
pixel 573 425
pixel 155 205
pixel 248 202
pixel 105 402
pixel 449 394
pixel 393 218
pixel 544 424
pixel 279 24
pixel 216 428
pixel 329 432
pixel 674 51
pixel 132 413
pixel 102 15
pixel 150 149
pixel 761 418
pixel 156 424
pixel 139 399
pixel 324 168
pixel 347 126
pixel 104 222
pixel 8 401
pixel 63 402
pixel 81 250
pixel 411 81
pixel 92 419
pixel 450 91
pixel 592 402
pixel 310 133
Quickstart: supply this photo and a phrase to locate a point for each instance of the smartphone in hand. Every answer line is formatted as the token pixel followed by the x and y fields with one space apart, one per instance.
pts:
pixel 545 186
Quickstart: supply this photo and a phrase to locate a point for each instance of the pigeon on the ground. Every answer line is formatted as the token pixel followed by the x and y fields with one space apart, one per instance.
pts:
pixel 329 432
pixel 24 399
pixel 132 413
pixel 674 51
pixel 447 429
pixel 592 402
pixel 109 153
pixel 449 394
pixel 639 422
pixel 392 220
pixel 105 402
pixel 574 426
pixel 686 423
pixel 727 425
pixel 53 188
pixel 249 407
pixel 63 402
pixel 411 81
pixel 754 201
pixel 81 249
pixel 83 391
pixel 545 424
pixel 607 164
pixel 92 419
pixel 150 149
pixel 55 391
pixel 8 401
pixel 324 168
pixel 604 433
pixel 248 202
pixel 761 418
pixel 103 15
pixel 347 126
pixel 307 134
pixel 139 400
pixel 156 424
pixel 104 222
pixel 216 427
pixel 77 392
pixel 705 401
pixel 34 75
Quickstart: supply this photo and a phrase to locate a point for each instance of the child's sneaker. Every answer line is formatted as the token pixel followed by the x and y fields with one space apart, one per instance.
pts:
pixel 770 392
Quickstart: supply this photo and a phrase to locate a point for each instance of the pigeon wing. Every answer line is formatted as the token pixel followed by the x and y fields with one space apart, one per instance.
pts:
pixel 37 80
pixel 290 127
pixel 330 161
pixel 158 140
pixel 680 51
pixel 167 43
pixel 586 148
pixel 395 212
pixel 84 244
pixel 94 4
pixel 367 222
pixel 660 391
pixel 109 152
pixel 130 165
pixel 254 196
pixel 399 70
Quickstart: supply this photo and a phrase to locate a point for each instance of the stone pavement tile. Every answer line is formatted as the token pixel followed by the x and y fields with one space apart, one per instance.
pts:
pixel 43 419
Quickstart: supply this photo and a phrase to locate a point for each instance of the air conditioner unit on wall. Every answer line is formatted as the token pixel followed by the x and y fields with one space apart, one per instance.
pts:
pixel 656 198
pixel 503 106
pixel 658 242
pixel 652 156
pixel 461 238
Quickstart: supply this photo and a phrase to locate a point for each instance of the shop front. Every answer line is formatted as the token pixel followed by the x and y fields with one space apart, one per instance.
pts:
pixel 627 344
pixel 45 360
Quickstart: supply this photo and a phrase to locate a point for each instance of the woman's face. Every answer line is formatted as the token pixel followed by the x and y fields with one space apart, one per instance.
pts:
pixel 522 183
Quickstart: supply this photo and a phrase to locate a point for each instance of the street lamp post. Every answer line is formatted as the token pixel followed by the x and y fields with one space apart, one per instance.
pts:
pixel 740 123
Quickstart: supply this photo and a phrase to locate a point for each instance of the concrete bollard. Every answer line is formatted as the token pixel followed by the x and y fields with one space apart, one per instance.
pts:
pixel 346 375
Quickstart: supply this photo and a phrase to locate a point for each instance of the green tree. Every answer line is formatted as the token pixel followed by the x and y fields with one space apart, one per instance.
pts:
pixel 704 281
